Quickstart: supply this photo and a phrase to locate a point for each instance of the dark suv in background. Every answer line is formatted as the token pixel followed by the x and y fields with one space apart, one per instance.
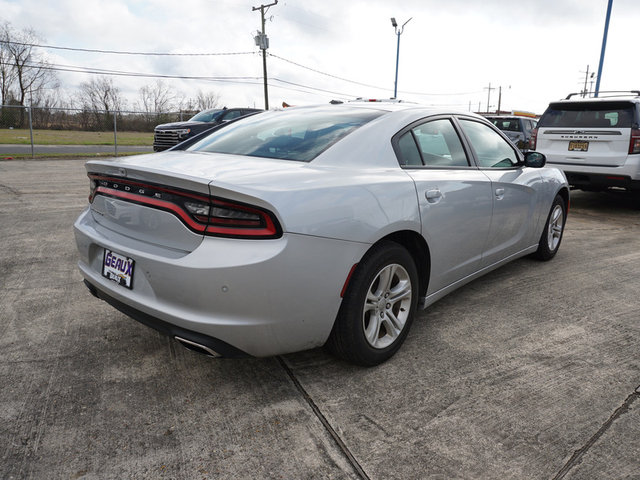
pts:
pixel 169 135
pixel 517 127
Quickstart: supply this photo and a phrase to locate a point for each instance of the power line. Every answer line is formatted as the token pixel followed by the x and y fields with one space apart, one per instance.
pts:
pixel 368 85
pixel 307 89
pixel 231 79
pixel 119 52
pixel 101 71
pixel 318 89
pixel 324 73
pixel 240 80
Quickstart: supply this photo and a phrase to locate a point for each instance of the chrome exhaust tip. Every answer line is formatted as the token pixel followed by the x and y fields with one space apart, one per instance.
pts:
pixel 197 347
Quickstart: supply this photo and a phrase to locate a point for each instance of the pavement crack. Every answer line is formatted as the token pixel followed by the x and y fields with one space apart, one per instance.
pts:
pixel 316 410
pixel 10 190
pixel 576 458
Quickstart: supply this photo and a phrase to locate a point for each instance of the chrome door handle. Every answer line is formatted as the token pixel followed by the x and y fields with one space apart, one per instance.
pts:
pixel 433 196
pixel 499 193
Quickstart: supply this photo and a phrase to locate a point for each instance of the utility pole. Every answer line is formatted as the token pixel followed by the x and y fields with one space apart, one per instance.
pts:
pixel 604 46
pixel 500 98
pixel 488 95
pixel 586 77
pixel 263 42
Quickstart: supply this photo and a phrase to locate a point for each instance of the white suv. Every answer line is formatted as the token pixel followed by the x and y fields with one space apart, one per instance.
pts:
pixel 595 141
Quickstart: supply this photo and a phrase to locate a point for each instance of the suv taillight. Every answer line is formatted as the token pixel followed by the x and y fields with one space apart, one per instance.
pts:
pixel 534 139
pixel 634 143
pixel 200 213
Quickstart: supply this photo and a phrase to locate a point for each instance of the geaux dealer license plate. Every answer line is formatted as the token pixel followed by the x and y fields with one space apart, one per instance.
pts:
pixel 118 268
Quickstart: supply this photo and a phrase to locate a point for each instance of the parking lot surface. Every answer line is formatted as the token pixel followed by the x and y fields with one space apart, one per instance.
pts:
pixel 530 372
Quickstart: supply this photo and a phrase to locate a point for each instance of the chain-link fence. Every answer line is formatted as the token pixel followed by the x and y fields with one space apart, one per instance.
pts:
pixel 68 131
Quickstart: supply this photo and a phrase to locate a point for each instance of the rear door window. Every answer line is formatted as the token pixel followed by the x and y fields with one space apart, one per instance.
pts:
pixel 507 124
pixel 589 115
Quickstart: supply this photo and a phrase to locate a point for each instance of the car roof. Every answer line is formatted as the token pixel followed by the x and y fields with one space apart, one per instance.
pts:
pixel 225 109
pixel 390 107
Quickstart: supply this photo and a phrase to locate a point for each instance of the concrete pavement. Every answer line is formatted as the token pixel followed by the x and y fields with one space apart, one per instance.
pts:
pixel 527 373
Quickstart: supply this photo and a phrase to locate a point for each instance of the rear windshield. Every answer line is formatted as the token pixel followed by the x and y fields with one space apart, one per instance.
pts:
pixel 507 124
pixel 296 134
pixel 589 115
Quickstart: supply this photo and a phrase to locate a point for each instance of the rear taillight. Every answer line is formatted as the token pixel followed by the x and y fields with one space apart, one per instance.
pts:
pixel 534 139
pixel 634 143
pixel 200 213
pixel 93 184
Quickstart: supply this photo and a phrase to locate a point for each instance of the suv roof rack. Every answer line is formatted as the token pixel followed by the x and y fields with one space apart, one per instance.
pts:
pixel 634 92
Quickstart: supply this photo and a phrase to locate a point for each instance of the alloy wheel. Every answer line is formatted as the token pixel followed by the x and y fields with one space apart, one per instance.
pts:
pixel 556 224
pixel 387 306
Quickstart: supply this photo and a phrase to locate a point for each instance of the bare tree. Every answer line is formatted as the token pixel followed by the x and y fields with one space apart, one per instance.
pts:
pixel 29 73
pixel 99 97
pixel 157 97
pixel 184 104
pixel 49 104
pixel 100 93
pixel 205 100
pixel 191 105
pixel 7 72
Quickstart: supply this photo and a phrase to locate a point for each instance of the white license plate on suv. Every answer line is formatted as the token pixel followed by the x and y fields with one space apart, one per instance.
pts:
pixel 118 268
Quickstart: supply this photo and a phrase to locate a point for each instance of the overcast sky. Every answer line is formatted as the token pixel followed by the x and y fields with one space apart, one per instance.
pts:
pixel 536 50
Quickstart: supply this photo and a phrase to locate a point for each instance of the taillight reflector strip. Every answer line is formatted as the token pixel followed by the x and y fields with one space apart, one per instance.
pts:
pixel 208 215
pixel 347 280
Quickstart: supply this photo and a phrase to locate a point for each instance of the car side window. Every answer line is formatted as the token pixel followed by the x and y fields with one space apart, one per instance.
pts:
pixel 433 144
pixel 491 149
pixel 409 150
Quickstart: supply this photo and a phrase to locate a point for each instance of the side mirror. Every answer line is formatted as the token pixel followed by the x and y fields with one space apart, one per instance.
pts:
pixel 534 159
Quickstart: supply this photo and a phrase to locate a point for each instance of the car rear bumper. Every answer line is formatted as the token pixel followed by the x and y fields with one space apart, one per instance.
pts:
pixel 591 181
pixel 599 177
pixel 260 297
pixel 211 345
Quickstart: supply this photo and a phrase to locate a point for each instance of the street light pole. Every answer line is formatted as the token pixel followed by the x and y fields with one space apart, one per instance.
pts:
pixel 604 46
pixel 398 33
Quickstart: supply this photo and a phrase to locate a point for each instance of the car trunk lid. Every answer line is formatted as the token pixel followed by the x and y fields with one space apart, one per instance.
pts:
pixel 137 200
pixel 134 191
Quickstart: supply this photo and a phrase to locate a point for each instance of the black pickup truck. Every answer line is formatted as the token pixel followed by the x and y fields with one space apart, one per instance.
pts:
pixel 169 135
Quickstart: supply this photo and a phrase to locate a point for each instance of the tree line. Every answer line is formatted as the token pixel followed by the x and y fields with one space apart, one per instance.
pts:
pixel 28 78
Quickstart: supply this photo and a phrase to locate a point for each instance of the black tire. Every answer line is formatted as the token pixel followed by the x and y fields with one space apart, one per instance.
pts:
pixel 372 335
pixel 554 228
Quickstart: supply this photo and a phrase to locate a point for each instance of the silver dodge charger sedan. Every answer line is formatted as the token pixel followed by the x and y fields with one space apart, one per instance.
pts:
pixel 324 225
